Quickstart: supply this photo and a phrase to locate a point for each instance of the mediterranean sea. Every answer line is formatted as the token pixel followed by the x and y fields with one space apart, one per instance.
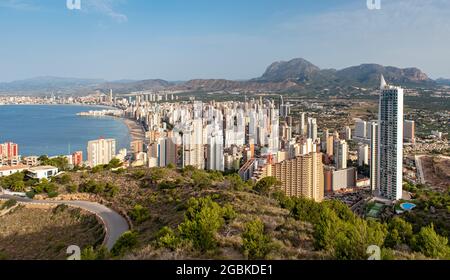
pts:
pixel 56 129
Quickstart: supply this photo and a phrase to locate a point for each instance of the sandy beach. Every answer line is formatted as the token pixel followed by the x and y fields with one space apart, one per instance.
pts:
pixel 136 130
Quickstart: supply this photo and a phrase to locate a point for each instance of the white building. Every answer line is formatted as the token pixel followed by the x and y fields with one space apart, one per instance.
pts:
pixel 42 172
pixel 374 156
pixel 10 170
pixel 361 129
pixel 312 129
pixel 390 142
pixel 409 133
pixel 340 154
pixel 101 151
pixel 363 154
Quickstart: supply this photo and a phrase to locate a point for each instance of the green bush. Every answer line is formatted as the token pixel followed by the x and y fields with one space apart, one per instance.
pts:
pixel 266 185
pixel 138 174
pixel 228 213
pixel 431 244
pixel 64 179
pixel 203 219
pixel 72 188
pixel 255 243
pixel 399 232
pixel 139 214
pixel 8 204
pixel 166 238
pixel 91 254
pixel 126 242
pixel 111 190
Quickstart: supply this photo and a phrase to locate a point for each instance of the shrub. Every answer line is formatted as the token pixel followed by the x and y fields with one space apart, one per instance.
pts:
pixel 138 174
pixel 431 244
pixel 64 179
pixel 265 185
pixel 8 204
pixel 139 214
pixel 111 190
pixel 399 232
pixel 166 238
pixel 72 188
pixel 126 242
pixel 228 213
pixel 91 254
pixel 203 219
pixel 255 243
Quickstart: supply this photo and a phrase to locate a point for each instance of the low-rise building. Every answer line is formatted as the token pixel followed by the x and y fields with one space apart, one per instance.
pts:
pixel 10 170
pixel 42 172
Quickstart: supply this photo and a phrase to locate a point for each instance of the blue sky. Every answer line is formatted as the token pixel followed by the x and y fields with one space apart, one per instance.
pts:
pixel 232 39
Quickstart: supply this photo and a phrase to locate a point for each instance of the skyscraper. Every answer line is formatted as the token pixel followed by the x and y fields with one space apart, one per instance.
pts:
pixel 390 141
pixel 409 131
pixel 312 129
pixel 374 155
pixel 340 154
pixel 302 176
pixel 101 151
pixel 363 154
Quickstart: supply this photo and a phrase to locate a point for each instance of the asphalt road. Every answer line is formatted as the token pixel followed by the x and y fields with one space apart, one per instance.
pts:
pixel 115 224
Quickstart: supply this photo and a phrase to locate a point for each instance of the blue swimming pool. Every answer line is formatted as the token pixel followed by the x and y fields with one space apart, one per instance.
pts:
pixel 408 206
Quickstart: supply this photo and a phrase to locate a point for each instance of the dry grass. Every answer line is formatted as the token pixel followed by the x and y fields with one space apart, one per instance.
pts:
pixel 45 234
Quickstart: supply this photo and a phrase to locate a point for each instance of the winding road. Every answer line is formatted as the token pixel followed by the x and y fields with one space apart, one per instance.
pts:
pixel 115 224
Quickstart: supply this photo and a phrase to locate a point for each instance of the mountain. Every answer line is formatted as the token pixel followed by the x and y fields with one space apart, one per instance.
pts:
pixel 297 69
pixel 131 86
pixel 296 75
pixel 48 83
pixel 369 75
pixel 443 81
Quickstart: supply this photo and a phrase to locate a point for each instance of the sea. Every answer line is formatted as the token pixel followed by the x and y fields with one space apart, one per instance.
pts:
pixel 55 130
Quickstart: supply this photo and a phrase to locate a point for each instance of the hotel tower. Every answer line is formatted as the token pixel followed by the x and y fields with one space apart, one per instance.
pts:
pixel 390 142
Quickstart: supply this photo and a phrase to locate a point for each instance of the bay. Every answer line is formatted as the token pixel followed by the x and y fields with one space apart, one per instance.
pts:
pixel 56 129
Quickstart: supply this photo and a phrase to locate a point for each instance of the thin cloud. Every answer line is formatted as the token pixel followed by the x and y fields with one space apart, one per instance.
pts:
pixel 18 5
pixel 105 7
pixel 403 33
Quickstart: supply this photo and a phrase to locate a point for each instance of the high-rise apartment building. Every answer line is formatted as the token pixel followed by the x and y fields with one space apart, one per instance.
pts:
pixel 390 141
pixel 374 155
pixel 340 154
pixel 9 150
pixel 101 151
pixel 312 129
pixel 409 131
pixel 301 177
pixel 361 129
pixel 363 154
pixel 77 158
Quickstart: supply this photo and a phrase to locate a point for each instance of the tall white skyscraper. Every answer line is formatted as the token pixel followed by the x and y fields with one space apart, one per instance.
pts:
pixel 390 141
pixel 302 124
pixel 363 155
pixel 361 129
pixel 373 155
pixel 101 151
pixel 340 154
pixel 312 129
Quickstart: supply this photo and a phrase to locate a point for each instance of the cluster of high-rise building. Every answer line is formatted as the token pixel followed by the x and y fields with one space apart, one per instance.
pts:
pixel 257 138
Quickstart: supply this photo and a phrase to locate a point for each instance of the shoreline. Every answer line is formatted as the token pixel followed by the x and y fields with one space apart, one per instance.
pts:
pixel 135 130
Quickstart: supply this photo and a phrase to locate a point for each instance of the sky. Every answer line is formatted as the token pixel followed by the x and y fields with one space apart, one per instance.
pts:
pixel 180 40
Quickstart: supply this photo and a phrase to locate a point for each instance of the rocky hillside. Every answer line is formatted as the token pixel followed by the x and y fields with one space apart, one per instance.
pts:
pixel 282 76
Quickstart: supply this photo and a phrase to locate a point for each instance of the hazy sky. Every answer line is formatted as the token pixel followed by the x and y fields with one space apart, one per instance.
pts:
pixel 231 39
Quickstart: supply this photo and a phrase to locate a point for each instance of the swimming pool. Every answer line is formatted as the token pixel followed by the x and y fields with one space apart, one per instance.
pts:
pixel 408 206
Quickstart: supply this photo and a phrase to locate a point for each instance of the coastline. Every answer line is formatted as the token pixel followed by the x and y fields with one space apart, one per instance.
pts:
pixel 135 130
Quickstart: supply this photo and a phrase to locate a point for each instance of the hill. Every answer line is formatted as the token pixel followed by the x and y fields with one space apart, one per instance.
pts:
pixel 296 75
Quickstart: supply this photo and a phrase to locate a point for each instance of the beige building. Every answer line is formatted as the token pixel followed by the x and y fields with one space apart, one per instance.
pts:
pixel 101 151
pixel 300 177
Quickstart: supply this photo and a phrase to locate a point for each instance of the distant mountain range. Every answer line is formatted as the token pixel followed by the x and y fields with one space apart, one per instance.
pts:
pixel 294 75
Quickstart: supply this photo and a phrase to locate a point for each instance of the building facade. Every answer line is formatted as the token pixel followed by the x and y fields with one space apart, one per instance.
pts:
pixel 390 142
